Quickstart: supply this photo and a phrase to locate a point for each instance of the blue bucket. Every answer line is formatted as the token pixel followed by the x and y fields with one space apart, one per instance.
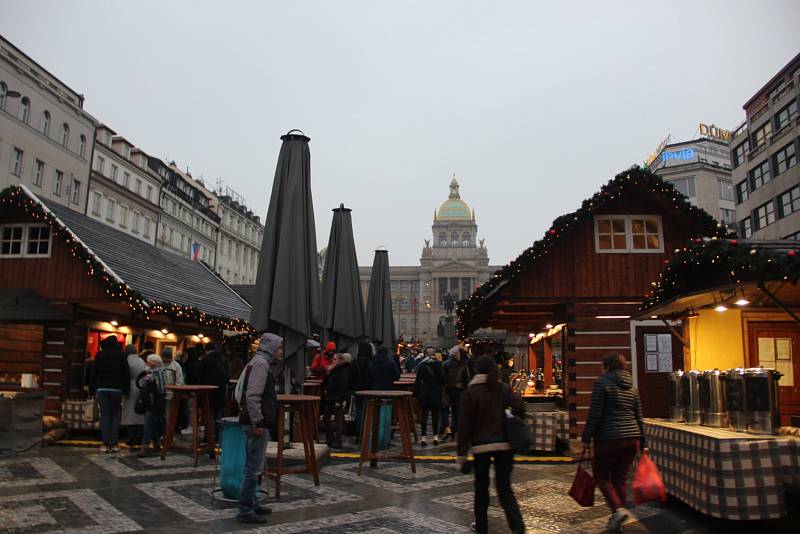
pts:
pixel 234 444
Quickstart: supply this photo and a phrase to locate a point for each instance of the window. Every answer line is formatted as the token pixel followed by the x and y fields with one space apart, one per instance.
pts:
pixel 760 135
pixel 11 240
pixel 45 125
pixel 138 188
pixel 765 215
pixel 3 90
pixel 628 233
pixel 16 162
pixel 96 198
pixel 35 236
pixel 404 286
pixel 725 189
pixel 114 171
pixel 38 173
pixel 760 175
pixel 25 109
pixel 404 304
pixel 76 192
pixel 146 229
pixel 789 202
pixel 38 241
pixel 465 240
pixel 136 221
pixel 393 286
pixel 123 215
pixel 785 158
pixel 739 154
pixel 727 217
pixel 100 164
pixel 150 192
pixel 110 206
pixel 785 115
pixel 742 192
pixel 126 179
pixel 685 186
pixel 442 239
pixel 65 135
pixel 82 146
pixel 747 228
pixel 58 181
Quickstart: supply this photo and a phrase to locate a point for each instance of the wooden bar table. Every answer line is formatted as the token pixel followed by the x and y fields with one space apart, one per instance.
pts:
pixel 302 407
pixel 314 388
pixel 369 439
pixel 198 395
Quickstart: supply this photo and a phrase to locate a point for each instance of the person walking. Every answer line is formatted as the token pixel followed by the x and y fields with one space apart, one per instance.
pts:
pixel 110 378
pixel 338 389
pixel 457 378
pixel 258 414
pixel 213 371
pixel 382 372
pixel 412 361
pixel 152 385
pixel 360 381
pixel 428 390
pixel 132 421
pixel 482 429
pixel 616 426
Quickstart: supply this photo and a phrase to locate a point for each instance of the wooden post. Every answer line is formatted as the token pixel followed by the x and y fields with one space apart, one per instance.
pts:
pixel 531 358
pixel 548 362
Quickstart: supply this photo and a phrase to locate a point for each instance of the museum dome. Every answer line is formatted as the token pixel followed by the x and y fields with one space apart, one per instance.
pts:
pixel 454 209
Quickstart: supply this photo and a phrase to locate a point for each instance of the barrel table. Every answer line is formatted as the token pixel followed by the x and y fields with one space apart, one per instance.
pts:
pixel 302 408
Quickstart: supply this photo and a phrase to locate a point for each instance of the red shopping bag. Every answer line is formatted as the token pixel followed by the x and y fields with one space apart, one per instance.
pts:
pixel 582 489
pixel 647 483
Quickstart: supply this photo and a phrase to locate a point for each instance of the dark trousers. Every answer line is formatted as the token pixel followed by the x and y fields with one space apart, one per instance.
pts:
pixel 450 414
pixel 426 409
pixel 612 461
pixel 333 430
pixel 110 403
pixel 503 463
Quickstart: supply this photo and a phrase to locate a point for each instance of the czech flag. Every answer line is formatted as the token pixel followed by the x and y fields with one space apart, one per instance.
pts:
pixel 195 251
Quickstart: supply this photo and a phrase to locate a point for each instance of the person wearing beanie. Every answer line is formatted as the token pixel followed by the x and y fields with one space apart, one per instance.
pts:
pixel 109 380
pixel 152 387
pixel 482 431
pixel 173 373
pixel 132 421
pixel 323 362
pixel 428 390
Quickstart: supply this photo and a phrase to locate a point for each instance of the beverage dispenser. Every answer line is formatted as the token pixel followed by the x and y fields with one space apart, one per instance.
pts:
pixel 690 391
pixel 736 399
pixel 675 396
pixel 712 399
pixel 762 400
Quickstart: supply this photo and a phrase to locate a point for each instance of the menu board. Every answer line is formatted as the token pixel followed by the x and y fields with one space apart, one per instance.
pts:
pixel 658 353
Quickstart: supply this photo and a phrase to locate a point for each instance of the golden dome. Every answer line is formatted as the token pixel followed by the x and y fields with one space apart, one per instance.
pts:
pixel 454 209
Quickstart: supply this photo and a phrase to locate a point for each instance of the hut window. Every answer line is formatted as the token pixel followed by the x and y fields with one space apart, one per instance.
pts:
pixel 611 235
pixel 38 241
pixel 35 237
pixel 11 240
pixel 628 233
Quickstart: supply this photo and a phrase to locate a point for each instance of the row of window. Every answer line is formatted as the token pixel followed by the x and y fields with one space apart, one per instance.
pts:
pixel 241 227
pixel 168 236
pixel 39 172
pixel 404 286
pixel 118 213
pixel 778 122
pixel 628 233
pixel 237 250
pixel 465 241
pixel 24 115
pixel 236 280
pixel 124 179
pixel 781 206
pixel 686 186
pixel 187 215
pixel 783 160
pixel 25 240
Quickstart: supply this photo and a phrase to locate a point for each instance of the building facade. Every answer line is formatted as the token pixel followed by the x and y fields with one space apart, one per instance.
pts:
pixel 764 153
pixel 453 262
pixel 189 223
pixel 239 238
pixel 701 170
pixel 46 137
pixel 123 191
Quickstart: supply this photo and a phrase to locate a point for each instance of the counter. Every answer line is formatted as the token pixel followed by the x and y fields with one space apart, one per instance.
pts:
pixel 547 428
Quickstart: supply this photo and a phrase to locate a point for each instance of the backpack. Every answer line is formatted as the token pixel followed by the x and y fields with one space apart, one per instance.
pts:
pixel 150 399
pixel 241 386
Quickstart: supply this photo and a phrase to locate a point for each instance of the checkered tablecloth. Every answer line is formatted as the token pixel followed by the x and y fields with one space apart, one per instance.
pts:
pixel 547 428
pixel 80 414
pixel 725 474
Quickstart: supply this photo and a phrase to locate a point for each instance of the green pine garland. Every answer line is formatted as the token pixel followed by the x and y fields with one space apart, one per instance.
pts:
pixel 637 177
pixel 15 197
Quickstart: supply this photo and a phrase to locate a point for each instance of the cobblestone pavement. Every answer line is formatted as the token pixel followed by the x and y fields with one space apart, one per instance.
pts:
pixel 79 490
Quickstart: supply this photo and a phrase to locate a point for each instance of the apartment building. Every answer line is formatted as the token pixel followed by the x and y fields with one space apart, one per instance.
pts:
pixel 239 238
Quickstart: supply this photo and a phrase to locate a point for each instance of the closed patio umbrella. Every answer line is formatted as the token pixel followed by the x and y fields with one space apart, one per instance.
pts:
pixel 287 294
pixel 342 300
pixel 380 321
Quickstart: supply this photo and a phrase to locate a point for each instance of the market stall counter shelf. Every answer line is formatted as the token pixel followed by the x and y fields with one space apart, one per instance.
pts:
pixel 725 474
pixel 549 428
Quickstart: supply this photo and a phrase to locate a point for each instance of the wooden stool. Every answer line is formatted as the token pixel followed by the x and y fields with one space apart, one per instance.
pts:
pixel 314 388
pixel 403 385
pixel 369 438
pixel 199 402
pixel 302 407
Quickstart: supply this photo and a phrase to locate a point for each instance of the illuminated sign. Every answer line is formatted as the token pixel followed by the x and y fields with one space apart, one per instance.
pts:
pixel 715 133
pixel 652 157
pixel 687 153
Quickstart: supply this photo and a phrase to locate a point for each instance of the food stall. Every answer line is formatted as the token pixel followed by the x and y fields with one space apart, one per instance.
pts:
pixel 730 447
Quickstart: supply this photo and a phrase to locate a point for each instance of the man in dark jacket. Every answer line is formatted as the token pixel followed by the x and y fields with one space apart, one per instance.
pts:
pixel 382 372
pixel 338 389
pixel 213 371
pixel 258 414
pixel 457 378
pixel 109 380
pixel 482 429
pixel 615 423
pixel 428 389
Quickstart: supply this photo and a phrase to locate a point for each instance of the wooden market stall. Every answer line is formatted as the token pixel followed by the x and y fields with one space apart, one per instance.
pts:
pixel 68 281
pixel 586 277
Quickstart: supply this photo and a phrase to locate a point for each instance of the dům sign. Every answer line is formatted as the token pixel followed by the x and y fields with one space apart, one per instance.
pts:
pixel 713 132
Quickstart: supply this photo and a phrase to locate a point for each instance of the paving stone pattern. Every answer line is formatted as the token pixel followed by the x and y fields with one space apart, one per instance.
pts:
pixel 80 491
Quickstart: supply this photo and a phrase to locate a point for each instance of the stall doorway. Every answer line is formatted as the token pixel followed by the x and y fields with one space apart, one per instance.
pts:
pixel 775 345
pixel 658 353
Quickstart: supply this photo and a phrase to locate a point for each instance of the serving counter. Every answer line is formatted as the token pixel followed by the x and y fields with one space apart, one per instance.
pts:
pixel 548 428
pixel 725 474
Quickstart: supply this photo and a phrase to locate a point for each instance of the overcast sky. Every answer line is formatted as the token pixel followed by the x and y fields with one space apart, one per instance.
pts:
pixel 534 105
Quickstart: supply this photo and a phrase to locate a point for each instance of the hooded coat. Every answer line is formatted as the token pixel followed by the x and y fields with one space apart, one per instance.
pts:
pixel 481 418
pixel 260 404
pixel 382 372
pixel 110 369
pixel 136 366
pixel 616 411
pixel 429 384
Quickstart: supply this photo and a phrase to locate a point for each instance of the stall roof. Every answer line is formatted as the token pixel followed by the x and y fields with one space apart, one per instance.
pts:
pixel 154 279
pixel 720 271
